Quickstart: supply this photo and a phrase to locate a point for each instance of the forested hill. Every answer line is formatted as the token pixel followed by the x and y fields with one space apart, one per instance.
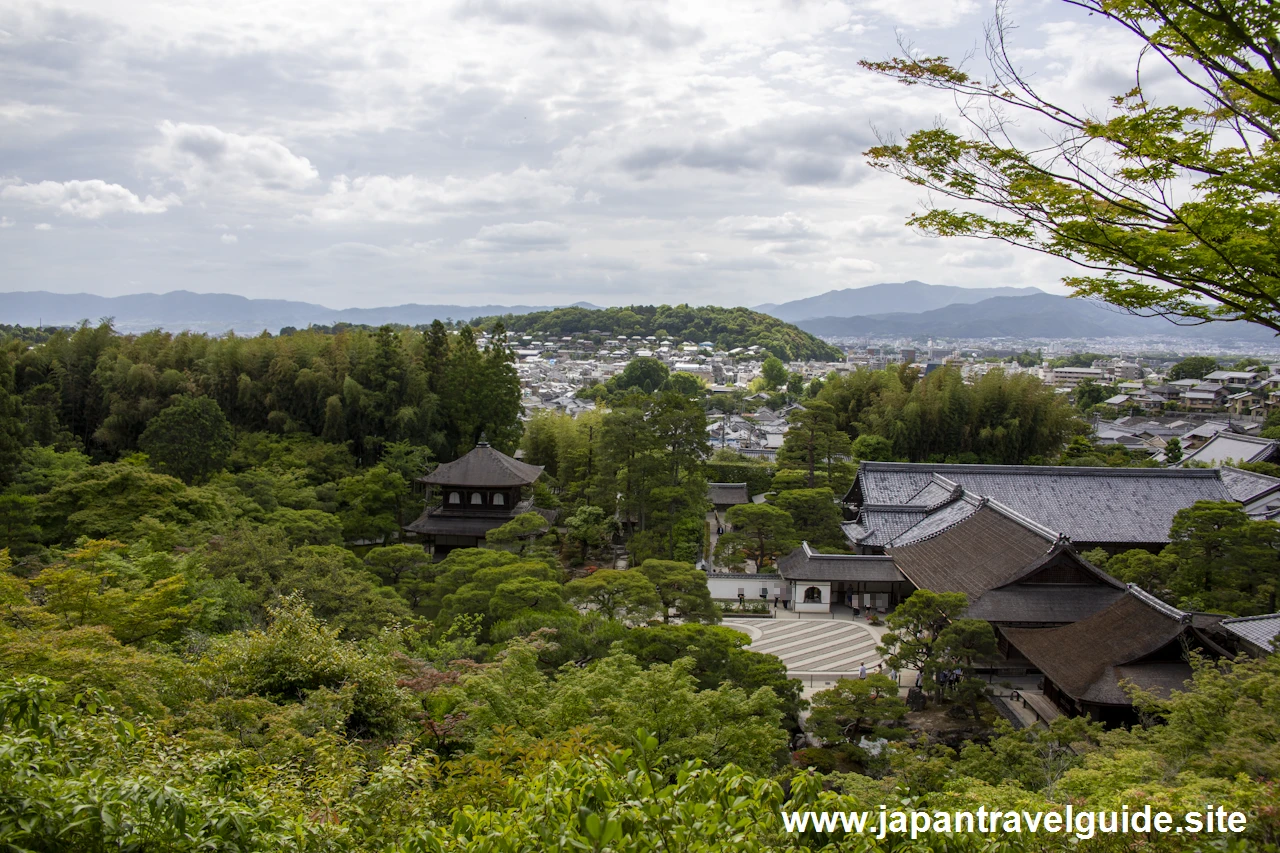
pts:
pixel 727 328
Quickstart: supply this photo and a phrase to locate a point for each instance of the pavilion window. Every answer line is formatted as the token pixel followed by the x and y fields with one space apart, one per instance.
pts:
pixel 813 595
pixel 455 498
pixel 499 500
pixel 477 499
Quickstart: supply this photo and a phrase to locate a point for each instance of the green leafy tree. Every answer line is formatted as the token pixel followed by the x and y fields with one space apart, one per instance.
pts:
pixel 774 372
pixel 627 596
pixel 647 374
pixel 1193 367
pixel 916 627
pixel 815 516
pixel 682 590
pixel 814 442
pixel 856 706
pixel 18 529
pixel 1111 205
pixel 519 531
pixel 190 439
pixel 1225 560
pixel 372 504
pixel 1173 451
pixel 590 528
pixel 760 533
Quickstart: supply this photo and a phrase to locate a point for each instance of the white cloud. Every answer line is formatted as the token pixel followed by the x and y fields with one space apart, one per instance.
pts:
pixel 977 260
pixel 382 198
pixel 201 156
pixel 229 239
pixel 921 13
pixel 520 237
pixel 6 222
pixel 788 226
pixel 86 199
pixel 44 226
pixel 844 265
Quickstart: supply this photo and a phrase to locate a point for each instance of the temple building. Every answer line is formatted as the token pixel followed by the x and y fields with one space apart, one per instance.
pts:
pixel 479 492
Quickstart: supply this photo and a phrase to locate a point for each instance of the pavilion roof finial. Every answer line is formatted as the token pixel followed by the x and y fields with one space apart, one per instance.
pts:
pixel 484 440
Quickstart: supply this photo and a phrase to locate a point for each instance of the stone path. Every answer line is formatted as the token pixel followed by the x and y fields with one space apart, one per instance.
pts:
pixel 818 652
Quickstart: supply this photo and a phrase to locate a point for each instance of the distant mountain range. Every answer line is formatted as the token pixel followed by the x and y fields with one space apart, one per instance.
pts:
pixel 909 297
pixel 219 312
pixel 1038 315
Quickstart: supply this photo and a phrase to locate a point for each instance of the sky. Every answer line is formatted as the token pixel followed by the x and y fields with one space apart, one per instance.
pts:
pixel 493 151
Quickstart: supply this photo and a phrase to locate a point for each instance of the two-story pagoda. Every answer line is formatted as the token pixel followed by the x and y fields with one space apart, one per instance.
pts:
pixel 478 492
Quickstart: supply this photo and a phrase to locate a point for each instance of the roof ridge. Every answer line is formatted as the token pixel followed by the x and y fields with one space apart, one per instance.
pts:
pixel 1158 605
pixel 1234 619
pixel 1070 470
pixel 1054 536
pixel 976 501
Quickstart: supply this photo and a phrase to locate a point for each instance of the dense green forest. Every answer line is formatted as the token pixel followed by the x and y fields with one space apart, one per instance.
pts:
pixel 727 328
pixel 211 637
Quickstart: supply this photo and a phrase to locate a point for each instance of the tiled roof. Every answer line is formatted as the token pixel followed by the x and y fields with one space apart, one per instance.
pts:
pixel 484 466
pixel 1087 504
pixel 1231 447
pixel 730 494
pixel 1261 631
pixel 1246 486
pixel 1089 658
pixel 806 564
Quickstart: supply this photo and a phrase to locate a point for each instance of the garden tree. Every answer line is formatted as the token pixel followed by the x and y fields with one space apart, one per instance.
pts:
pixel 468 579
pixel 297 656
pixel 627 596
pixel 815 516
pixel 109 501
pixel 617 697
pixel 408 569
pixel 684 384
pixel 774 372
pixel 814 440
pixel 871 448
pixel 719 656
pixel 190 439
pixel 963 645
pixel 372 505
pixel 1168 205
pixel 1193 367
pixel 1089 394
pixel 17 522
pixel 12 431
pixel 916 628
pixel 1224 559
pixel 522 595
pixel 760 533
pixel 647 374
pixel 1036 758
pixel 677 502
pixel 542 437
pixel 406 459
pixel 590 528
pixel 998 418
pixel 520 531
pixel 682 590
pixel 563 636
pixel 1173 451
pixel 842 714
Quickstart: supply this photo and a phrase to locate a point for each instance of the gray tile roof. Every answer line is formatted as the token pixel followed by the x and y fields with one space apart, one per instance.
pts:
pixel 1246 486
pixel 728 494
pixel 806 564
pixel 1230 447
pixel 1121 505
pixel 485 467
pixel 1261 631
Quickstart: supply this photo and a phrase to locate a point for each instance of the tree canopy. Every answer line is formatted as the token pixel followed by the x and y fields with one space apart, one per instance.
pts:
pixel 1170 207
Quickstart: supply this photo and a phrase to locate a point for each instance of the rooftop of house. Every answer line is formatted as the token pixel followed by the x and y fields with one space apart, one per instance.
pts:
pixel 1088 505
pixel 484 467
pixel 806 564
pixel 1232 447
pixel 1262 631
pixel 1089 659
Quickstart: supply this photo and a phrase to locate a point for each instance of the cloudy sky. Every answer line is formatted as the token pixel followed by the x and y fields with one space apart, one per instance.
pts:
pixel 474 151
